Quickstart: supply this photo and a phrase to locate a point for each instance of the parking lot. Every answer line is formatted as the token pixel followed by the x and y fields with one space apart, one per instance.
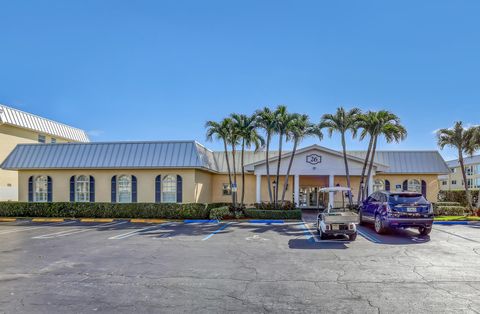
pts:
pixel 209 267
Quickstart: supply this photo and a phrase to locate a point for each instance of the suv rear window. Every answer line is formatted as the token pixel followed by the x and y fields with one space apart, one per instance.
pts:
pixel 397 199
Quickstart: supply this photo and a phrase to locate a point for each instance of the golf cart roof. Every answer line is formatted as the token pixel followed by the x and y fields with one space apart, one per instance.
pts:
pixel 334 189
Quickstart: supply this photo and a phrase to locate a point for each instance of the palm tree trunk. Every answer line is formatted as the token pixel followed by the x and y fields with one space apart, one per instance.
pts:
pixel 285 184
pixel 243 173
pixel 370 167
pixel 234 177
pixel 268 169
pixel 464 175
pixel 228 167
pixel 280 137
pixel 361 188
pixel 347 171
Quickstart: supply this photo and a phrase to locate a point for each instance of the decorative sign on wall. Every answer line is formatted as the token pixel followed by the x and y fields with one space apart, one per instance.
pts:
pixel 314 159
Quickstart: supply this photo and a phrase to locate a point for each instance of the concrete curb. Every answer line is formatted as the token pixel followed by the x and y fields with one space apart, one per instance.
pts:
pixel 7 219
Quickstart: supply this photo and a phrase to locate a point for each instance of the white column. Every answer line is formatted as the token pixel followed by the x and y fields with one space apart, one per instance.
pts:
pixel 331 195
pixel 370 185
pixel 259 188
pixel 296 189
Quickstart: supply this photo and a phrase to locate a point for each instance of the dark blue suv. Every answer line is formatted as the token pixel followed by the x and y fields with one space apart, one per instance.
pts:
pixel 397 210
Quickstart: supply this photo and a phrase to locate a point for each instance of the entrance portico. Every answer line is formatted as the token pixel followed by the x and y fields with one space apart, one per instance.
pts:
pixel 312 168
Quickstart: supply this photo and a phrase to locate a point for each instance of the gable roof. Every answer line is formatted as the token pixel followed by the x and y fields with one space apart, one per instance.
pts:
pixel 166 154
pixel 25 120
pixel 414 162
pixel 314 147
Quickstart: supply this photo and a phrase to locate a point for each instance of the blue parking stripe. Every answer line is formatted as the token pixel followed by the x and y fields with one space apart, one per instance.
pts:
pixel 368 236
pixel 200 221
pixel 216 231
pixel 307 233
pixel 268 222
pixel 461 222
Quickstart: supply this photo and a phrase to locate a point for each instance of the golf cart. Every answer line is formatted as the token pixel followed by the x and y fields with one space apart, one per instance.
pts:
pixel 337 221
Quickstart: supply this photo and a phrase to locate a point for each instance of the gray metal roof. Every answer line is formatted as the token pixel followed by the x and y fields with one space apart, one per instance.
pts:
pixel 170 154
pixel 470 160
pixel 250 157
pixel 184 154
pixel 408 161
pixel 25 120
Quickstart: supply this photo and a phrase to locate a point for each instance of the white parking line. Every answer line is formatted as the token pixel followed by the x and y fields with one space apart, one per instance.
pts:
pixel 135 232
pixel 37 227
pixel 313 235
pixel 77 230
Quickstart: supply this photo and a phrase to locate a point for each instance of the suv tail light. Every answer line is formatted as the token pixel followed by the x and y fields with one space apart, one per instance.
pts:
pixel 430 209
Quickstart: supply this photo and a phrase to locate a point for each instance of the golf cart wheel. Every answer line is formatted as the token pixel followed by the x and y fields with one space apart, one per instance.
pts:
pixel 424 230
pixel 322 235
pixel 379 227
pixel 352 237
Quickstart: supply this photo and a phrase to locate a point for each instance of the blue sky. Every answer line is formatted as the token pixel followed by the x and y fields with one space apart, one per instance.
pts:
pixel 157 70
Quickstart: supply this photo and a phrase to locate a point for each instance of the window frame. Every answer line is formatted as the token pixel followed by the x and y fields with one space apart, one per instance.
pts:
pixel 167 195
pixel 418 186
pixel 87 183
pixel 44 193
pixel 42 139
pixel 376 185
pixel 130 191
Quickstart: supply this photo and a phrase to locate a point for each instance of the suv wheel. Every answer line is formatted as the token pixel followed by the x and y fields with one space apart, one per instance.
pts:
pixel 360 217
pixel 424 230
pixel 379 227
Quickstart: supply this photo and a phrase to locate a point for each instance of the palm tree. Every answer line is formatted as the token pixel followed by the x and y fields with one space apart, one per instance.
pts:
pixel 298 128
pixel 460 139
pixel 282 119
pixel 368 123
pixel 473 145
pixel 221 131
pixel 387 125
pixel 247 130
pixel 342 121
pixel 266 121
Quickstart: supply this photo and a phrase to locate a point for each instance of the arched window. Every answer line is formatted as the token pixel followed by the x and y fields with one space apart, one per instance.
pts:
pixel 378 185
pixel 414 185
pixel 41 189
pixel 82 188
pixel 169 189
pixel 124 193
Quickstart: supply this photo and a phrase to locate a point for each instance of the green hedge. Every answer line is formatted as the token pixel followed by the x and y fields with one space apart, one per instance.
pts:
pixel 449 211
pixel 220 213
pixel 457 196
pixel 287 205
pixel 273 214
pixel 438 204
pixel 211 206
pixel 105 210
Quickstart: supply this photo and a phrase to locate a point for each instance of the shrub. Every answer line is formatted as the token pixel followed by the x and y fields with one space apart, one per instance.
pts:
pixel 449 211
pixel 273 214
pixel 210 206
pixel 448 204
pixel 105 210
pixel 287 205
pixel 457 196
pixel 220 213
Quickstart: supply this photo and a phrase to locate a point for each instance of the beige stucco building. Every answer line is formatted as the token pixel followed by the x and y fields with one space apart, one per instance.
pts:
pixel 18 127
pixel 454 179
pixel 186 172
